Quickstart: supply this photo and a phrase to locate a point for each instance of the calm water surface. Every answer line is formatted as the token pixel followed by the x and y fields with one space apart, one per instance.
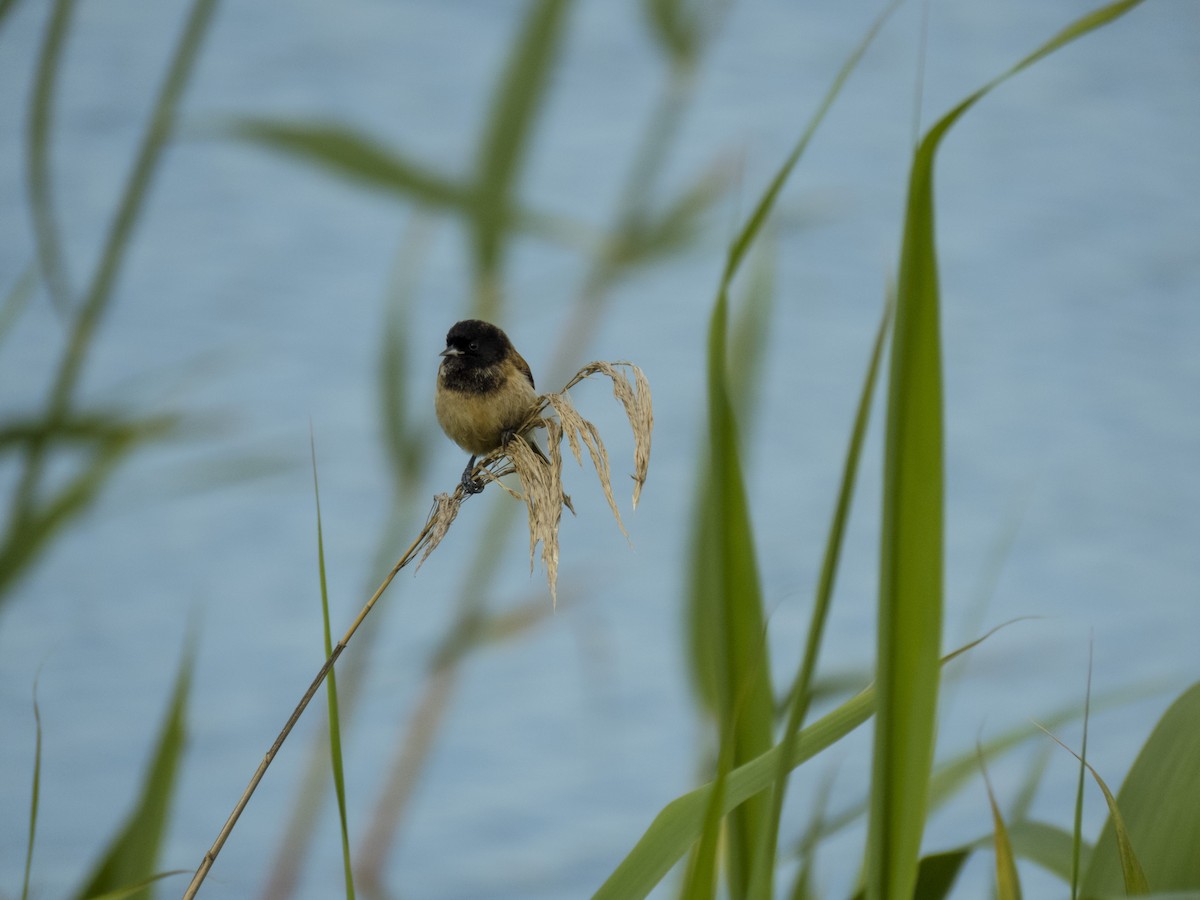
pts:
pixel 254 297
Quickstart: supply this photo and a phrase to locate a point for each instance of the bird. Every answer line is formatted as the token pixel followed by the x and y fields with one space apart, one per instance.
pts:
pixel 485 391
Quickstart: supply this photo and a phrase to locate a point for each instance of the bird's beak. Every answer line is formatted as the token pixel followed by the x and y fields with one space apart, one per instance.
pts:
pixel 451 351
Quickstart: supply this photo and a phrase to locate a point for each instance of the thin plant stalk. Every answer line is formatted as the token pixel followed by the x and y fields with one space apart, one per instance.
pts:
pixel 211 855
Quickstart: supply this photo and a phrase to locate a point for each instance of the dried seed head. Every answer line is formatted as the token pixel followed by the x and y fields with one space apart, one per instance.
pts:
pixel 541 474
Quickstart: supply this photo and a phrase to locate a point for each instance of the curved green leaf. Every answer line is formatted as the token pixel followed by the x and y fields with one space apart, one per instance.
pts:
pixel 1160 804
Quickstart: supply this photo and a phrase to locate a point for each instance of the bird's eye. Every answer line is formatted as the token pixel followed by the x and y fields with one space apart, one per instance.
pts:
pixel 474 345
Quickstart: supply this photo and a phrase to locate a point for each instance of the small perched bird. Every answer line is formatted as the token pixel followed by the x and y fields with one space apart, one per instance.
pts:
pixel 484 391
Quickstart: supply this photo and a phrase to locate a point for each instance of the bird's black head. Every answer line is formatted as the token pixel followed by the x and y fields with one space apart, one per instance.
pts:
pixel 475 342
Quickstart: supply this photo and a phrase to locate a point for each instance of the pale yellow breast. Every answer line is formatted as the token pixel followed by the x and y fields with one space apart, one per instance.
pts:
pixel 477 422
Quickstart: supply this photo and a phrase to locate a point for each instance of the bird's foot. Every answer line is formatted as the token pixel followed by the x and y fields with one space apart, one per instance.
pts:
pixel 469 484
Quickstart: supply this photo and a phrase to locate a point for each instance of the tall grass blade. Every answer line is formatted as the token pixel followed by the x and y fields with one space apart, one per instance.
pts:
pixel 766 203
pixel 35 792
pixel 701 882
pixel 910 600
pixel 952 775
pixel 335 731
pixel 1008 885
pixel 133 854
pixel 1132 873
pixel 801 692
pixel 744 696
pixel 681 821
pixel 1078 824
pixel 737 625
pixel 910 596
pixel 745 355
pixel 514 108
pixel 1158 803
pixel 37 155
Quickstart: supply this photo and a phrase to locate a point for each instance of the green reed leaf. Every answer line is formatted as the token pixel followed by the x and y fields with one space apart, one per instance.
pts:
pixel 335 729
pixel 910 599
pixel 132 856
pixel 1159 807
pixel 47 239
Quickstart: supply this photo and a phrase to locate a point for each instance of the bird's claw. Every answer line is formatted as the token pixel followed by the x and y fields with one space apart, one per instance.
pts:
pixel 469 484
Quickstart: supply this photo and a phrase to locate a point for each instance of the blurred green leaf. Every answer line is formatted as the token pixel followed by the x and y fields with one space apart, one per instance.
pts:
pixel 37 155
pixel 514 106
pixel 35 792
pixel 15 300
pixel 678 28
pixel 133 854
pixel 355 156
pixel 1047 845
pixel 32 521
pixel 30 533
pixel 1160 804
pixel 6 6
pixel 97 428
pixel 646 238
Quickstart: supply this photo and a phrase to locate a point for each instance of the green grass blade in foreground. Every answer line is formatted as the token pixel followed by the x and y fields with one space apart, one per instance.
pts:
pixel 1008 885
pixel 801 693
pixel 681 821
pixel 133 854
pixel 335 731
pixel 936 874
pixel 911 558
pixel 1158 802
pixel 910 593
pixel 745 700
pixel 701 882
pixel 766 203
pixel 37 154
pixel 745 352
pixel 1132 872
pixel 1076 868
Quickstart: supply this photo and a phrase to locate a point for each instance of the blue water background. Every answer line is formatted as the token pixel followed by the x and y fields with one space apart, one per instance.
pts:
pixel 1069 243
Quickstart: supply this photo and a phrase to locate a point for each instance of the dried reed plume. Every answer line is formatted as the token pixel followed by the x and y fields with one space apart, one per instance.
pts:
pixel 541 475
pixel 541 482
